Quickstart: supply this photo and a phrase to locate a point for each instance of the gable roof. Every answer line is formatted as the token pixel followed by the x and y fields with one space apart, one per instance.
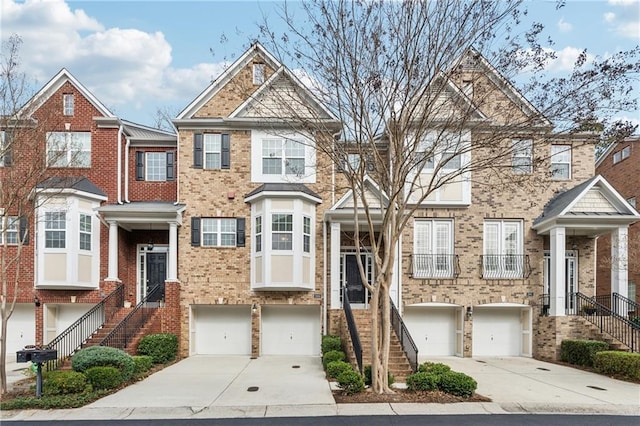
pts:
pixel 255 50
pixel 372 192
pixel 604 154
pixel 57 81
pixel 141 133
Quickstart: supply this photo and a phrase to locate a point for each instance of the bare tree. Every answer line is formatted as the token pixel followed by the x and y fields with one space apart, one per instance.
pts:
pixel 425 90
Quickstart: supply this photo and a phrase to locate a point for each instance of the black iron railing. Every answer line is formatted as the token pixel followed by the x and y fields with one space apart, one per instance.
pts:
pixel 121 336
pixel 545 303
pixel 408 345
pixel 424 266
pixel 621 305
pixel 505 266
pixel 608 321
pixel 71 339
pixel 353 329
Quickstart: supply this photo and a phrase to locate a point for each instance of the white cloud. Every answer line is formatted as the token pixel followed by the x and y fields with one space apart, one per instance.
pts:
pixel 623 2
pixel 626 23
pixel 564 26
pixel 565 59
pixel 609 17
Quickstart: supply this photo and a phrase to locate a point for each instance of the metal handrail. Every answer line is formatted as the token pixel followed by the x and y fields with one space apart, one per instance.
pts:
pixel 408 345
pixel 71 339
pixel 425 266
pixel 353 329
pixel 505 266
pixel 123 333
pixel 606 320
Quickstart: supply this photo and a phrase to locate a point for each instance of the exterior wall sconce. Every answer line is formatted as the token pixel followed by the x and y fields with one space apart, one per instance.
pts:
pixel 150 245
pixel 469 312
pixel 254 309
pixel 36 301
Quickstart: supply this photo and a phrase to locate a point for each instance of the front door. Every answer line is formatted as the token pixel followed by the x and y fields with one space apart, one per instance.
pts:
pixel 353 281
pixel 156 275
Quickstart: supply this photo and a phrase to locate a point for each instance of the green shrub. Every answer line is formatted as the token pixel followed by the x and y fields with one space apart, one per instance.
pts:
pixel 63 383
pixel 161 347
pixel 423 381
pixel 616 363
pixel 433 367
pixel 331 343
pixel 581 352
pixel 45 402
pixel 458 384
pixel 332 356
pixel 103 356
pixel 350 382
pixel 143 363
pixel 104 377
pixel 335 368
pixel 367 376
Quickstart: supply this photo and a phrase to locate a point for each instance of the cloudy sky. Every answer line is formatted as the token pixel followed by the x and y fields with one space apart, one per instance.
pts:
pixel 138 56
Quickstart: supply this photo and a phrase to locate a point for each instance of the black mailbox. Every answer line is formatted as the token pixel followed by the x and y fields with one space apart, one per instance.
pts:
pixel 36 355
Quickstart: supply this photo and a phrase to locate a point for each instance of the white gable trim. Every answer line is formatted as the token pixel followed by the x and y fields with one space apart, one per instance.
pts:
pixel 226 76
pixel 368 184
pixel 53 86
pixel 609 192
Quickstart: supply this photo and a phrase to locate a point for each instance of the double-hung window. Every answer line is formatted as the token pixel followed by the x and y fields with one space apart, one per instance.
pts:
pixel 503 249
pixel 69 149
pixel 85 232
pixel 281 231
pixel 258 233
pixel 561 161
pixel 219 232
pixel 155 166
pixel 5 149
pixel 522 156
pixel 55 229
pixel 11 230
pixel 212 151
pixel 306 234
pixel 433 255
pixel 68 104
pixel 283 157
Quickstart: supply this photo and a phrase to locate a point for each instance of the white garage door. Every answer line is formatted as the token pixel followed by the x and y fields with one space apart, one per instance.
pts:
pixel 21 329
pixel 433 329
pixel 221 330
pixel 497 332
pixel 291 330
pixel 57 318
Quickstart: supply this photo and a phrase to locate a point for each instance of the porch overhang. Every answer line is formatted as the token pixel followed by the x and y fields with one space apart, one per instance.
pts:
pixel 588 225
pixel 143 215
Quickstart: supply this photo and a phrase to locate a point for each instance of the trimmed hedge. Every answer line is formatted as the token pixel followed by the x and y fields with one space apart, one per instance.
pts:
pixel 581 352
pixel 63 383
pixel 458 384
pixel 618 363
pixel 350 382
pixel 104 377
pixel 433 367
pixel 367 376
pixel 331 343
pixel 335 368
pixel 332 356
pixel 103 356
pixel 162 347
pixel 143 363
pixel 423 381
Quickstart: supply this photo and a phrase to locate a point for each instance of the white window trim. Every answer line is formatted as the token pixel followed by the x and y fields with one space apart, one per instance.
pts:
pixel 215 137
pixel 259 232
pixel 2 147
pixel 68 104
pixel 421 268
pixel 64 230
pixel 291 233
pixel 501 251
pixel 259 73
pixel 82 232
pixel 67 149
pixel 559 158
pixel 306 235
pixel 218 231
pixel 257 176
pixel 148 166
pixel 13 228
pixel 522 159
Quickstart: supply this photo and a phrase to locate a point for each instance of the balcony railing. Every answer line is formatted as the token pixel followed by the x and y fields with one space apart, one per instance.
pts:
pixel 505 266
pixel 621 305
pixel 353 330
pixel 425 266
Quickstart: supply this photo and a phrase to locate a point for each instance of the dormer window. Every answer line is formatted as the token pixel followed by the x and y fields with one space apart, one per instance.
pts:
pixel 68 104
pixel 258 73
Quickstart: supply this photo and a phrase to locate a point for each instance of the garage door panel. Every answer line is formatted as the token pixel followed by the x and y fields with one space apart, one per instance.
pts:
pixel 290 330
pixel 222 330
pixel 433 329
pixel 497 332
pixel 21 329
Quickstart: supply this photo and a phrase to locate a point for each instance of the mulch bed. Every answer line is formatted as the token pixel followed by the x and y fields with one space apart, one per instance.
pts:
pixel 403 395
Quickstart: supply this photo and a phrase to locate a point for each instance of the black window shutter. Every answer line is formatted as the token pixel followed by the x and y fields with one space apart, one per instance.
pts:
pixel 139 165
pixel 24 236
pixel 7 148
pixel 195 231
pixel 225 153
pixel 240 232
pixel 197 150
pixel 170 166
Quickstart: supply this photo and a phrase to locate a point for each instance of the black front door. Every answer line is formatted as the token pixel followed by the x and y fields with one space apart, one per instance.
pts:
pixel 156 274
pixel 353 281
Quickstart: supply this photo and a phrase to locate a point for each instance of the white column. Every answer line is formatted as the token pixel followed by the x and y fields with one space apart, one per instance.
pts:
pixel 619 261
pixel 335 265
pixel 112 274
pixel 172 270
pixel 557 275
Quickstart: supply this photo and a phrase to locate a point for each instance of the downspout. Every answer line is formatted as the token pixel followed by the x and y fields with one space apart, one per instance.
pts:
pixel 324 277
pixel 119 166
pixel 126 170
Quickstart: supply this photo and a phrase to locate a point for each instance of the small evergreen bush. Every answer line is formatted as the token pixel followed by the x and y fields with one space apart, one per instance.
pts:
pixel 332 356
pixel 104 377
pixel 162 347
pixel 102 356
pixel 335 368
pixel 63 383
pixel 350 382
pixel 581 352
pixel 143 363
pixel 458 384
pixel 617 363
pixel 423 381
pixel 433 367
pixel 367 376
pixel 331 343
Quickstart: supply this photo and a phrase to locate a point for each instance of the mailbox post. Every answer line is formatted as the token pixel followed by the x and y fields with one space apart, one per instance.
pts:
pixel 38 357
